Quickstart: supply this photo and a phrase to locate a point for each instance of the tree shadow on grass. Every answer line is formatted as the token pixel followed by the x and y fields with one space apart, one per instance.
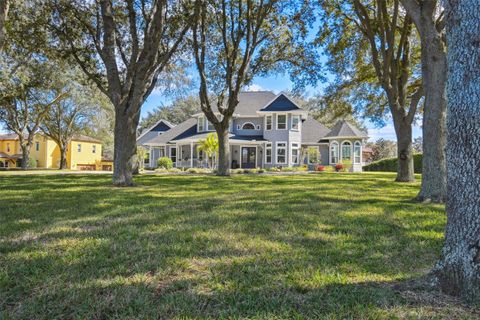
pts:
pixel 212 247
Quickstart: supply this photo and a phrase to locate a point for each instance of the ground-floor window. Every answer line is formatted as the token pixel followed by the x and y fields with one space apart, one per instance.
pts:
pixel 358 152
pixel 295 153
pixel 334 152
pixel 268 153
pixel 346 150
pixel 281 152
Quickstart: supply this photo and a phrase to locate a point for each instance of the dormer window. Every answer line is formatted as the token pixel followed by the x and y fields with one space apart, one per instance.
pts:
pixel 295 122
pixel 281 121
pixel 210 126
pixel 201 124
pixel 248 126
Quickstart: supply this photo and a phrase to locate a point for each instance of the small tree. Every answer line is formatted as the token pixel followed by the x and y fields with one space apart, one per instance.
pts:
pixel 210 147
pixel 70 115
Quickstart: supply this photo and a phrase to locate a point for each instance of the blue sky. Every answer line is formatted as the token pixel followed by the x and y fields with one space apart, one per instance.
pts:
pixel 280 83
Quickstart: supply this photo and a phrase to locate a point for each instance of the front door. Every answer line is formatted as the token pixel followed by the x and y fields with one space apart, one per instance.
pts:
pixel 249 157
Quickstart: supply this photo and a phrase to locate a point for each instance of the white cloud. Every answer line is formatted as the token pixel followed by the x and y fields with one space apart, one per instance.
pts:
pixel 254 87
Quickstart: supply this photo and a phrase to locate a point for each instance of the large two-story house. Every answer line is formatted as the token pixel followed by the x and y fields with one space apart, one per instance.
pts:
pixel 267 130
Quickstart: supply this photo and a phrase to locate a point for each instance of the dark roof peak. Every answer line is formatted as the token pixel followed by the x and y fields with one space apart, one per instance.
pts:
pixel 343 128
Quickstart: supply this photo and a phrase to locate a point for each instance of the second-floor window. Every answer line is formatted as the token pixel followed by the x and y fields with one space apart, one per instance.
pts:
pixel 248 126
pixel 295 122
pixel 281 121
pixel 201 124
pixel 210 126
pixel 37 146
pixel 268 123
pixel 94 149
pixel 79 147
pixel 8 147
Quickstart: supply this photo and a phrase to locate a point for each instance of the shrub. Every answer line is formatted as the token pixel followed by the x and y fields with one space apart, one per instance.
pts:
pixel 32 163
pixel 261 170
pixel 320 168
pixel 390 164
pixel 339 167
pixel 347 165
pixel 165 163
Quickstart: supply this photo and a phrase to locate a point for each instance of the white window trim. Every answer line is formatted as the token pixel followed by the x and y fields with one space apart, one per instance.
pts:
pixel 94 148
pixel 298 152
pixel 357 143
pixel 271 152
pixel 286 152
pixel 79 147
pixel 203 123
pixel 330 152
pixel 271 123
pixel 286 121
pixel 341 149
pixel 299 122
pixel 243 125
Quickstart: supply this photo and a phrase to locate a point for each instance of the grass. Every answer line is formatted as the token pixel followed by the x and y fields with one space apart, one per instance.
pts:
pixel 260 247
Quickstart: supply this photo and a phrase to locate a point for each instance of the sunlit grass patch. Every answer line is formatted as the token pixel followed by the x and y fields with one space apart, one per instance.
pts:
pixel 298 246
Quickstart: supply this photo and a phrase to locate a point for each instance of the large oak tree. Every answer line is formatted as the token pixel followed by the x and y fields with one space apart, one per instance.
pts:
pixel 372 53
pixel 123 46
pixel 458 271
pixel 429 21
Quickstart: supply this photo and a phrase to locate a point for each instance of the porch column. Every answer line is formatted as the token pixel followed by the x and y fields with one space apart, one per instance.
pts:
pixel 191 154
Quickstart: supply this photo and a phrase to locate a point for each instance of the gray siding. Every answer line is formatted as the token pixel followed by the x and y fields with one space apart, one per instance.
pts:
pixel 148 136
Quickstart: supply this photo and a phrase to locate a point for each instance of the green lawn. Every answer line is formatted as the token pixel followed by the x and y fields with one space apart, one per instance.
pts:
pixel 250 246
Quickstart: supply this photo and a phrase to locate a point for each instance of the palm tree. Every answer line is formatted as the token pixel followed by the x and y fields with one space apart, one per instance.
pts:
pixel 209 146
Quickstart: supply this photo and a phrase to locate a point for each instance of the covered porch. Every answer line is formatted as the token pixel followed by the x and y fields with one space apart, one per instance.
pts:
pixel 242 155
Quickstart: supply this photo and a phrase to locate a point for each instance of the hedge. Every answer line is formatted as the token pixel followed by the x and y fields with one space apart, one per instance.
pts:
pixel 390 164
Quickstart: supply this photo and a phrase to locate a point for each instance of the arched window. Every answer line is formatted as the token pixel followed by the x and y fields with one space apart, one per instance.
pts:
pixel 357 152
pixel 248 126
pixel 334 152
pixel 346 150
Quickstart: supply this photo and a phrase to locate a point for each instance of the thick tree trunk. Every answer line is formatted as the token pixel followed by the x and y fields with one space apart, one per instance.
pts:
pixel 223 153
pixel 458 271
pixel 4 4
pixel 63 158
pixel 405 172
pixel 25 156
pixel 125 146
pixel 434 70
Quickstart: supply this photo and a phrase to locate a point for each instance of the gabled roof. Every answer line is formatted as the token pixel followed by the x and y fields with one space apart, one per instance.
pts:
pixel 9 136
pixel 280 103
pixel 188 127
pixel 83 138
pixel 76 137
pixel 160 126
pixel 344 129
pixel 313 131
pixel 249 102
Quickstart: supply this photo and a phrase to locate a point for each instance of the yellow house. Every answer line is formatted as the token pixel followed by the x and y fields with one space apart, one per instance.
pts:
pixel 83 152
